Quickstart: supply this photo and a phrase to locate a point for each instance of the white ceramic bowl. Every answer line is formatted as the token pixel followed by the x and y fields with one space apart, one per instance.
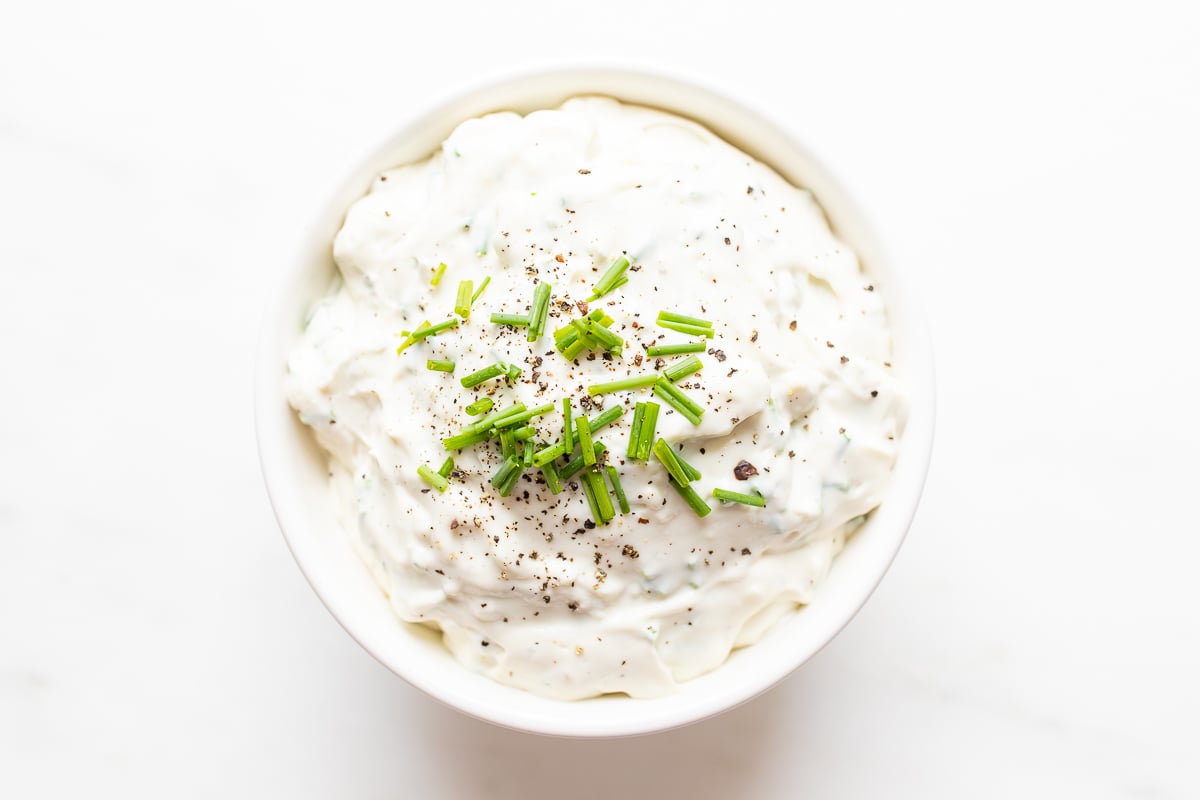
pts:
pixel 296 477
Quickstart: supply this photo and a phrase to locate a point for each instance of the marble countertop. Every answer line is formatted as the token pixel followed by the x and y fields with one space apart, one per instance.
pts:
pixel 1035 166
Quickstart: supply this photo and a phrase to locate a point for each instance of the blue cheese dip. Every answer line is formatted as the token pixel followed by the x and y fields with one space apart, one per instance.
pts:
pixel 799 404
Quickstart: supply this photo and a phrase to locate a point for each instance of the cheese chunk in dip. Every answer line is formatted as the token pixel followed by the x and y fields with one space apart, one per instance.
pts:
pixel 800 410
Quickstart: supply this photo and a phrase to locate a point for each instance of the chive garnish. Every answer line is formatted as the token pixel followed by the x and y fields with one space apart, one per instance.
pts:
pixel 432 478
pixel 605 417
pixel 671 316
pixel 548 454
pixel 462 303
pixel 694 500
pixel 675 398
pixel 590 493
pixel 506 476
pixel 681 369
pixel 726 496
pixel 410 341
pixel 527 456
pixel 485 374
pixel 516 320
pixel 437 276
pixel 585 441
pixel 513 372
pixel 646 435
pixel 675 349
pixel 663 452
pixel 636 382
pixel 682 327
pixel 575 464
pixel 594 477
pixel 488 424
pixel 609 340
pixel 539 311
pixel 447 467
pixel 508 445
pixel 612 278
pixel 692 473
pixel 635 430
pixel 615 480
pixel 433 330
pixel 439 366
pixel 465 439
pixel 480 406
pixel 568 440
pixel 553 480
pixel 486 280
pixel 524 434
pixel 521 415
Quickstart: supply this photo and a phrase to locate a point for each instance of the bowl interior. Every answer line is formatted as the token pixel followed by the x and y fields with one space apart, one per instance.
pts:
pixel 296 475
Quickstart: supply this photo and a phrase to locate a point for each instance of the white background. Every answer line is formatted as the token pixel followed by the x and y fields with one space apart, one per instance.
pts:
pixel 1034 165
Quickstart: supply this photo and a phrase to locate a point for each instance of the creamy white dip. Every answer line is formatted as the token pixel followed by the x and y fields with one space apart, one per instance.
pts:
pixel 796 381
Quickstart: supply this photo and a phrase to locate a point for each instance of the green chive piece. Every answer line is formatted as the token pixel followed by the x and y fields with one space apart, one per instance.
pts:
pixel 692 473
pixel 615 480
pixel 551 476
pixel 590 493
pixel 447 467
pixel 527 455
pixel 524 434
pixel 513 372
pixel 486 280
pixel 671 316
pixel 663 452
pixel 635 430
pixel 575 464
pixel 694 500
pixel 480 406
pixel 521 415
pixel 601 317
pixel 595 477
pixel 434 330
pixel 585 441
pixel 636 382
pixel 646 436
pixel 508 444
pixel 679 401
pixel 516 320
pixel 488 424
pixel 611 341
pixel 548 454
pixel 571 353
pixel 694 330
pixel 437 276
pixel 726 496
pixel 462 302
pixel 681 369
pixel 609 280
pixel 485 374
pixel 538 311
pixel 675 349
pixel 432 478
pixel 506 476
pixel 465 439
pixel 605 417
pixel 568 441
pixel 439 366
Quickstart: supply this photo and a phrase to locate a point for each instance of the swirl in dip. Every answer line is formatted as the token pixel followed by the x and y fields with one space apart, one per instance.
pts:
pixel 541 589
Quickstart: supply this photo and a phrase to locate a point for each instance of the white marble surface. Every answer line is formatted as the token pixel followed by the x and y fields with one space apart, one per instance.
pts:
pixel 1035 164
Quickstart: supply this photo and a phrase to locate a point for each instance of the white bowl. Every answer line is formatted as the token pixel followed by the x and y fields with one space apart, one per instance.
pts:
pixel 296 475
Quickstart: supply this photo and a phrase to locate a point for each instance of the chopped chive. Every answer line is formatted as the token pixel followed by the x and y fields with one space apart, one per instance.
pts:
pixel 611 341
pixel 462 303
pixel 432 478
pixel 508 444
pixel 447 467
pixel 486 423
pixel 694 330
pixel 663 452
pixel 439 366
pixel 524 434
pixel 465 439
pixel 726 496
pixel 675 349
pixel 548 454
pixel 513 372
pixel 646 436
pixel 486 280
pixel 527 455
pixel 553 480
pixel 601 317
pixel 434 330
pixel 410 341
pixel 636 382
pixel 585 441
pixel 692 473
pixel 605 417
pixel 671 316
pixel 516 320
pixel 609 280
pixel 615 480
pixel 681 369
pixel 480 406
pixel 694 500
pixel 679 401
pixel 437 276
pixel 538 311
pixel 575 464
pixel 594 476
pixel 485 374
pixel 506 476
pixel 571 353
pixel 568 440
pixel 590 493
pixel 635 430
pixel 521 415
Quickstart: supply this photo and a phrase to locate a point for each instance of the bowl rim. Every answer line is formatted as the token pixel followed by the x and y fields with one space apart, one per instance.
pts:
pixel 526 712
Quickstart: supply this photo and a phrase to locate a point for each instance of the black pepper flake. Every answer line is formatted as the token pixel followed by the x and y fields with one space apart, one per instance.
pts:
pixel 585 172
pixel 791 453
pixel 731 371
pixel 754 335
pixel 792 325
pixel 573 605
pixel 485 643
pixel 643 521
pixel 749 190
pixel 744 470
pixel 546 599
pixel 845 360
pixel 870 287
pixel 727 240
pixel 874 393
pixel 589 524
pixel 628 550
pixel 719 355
